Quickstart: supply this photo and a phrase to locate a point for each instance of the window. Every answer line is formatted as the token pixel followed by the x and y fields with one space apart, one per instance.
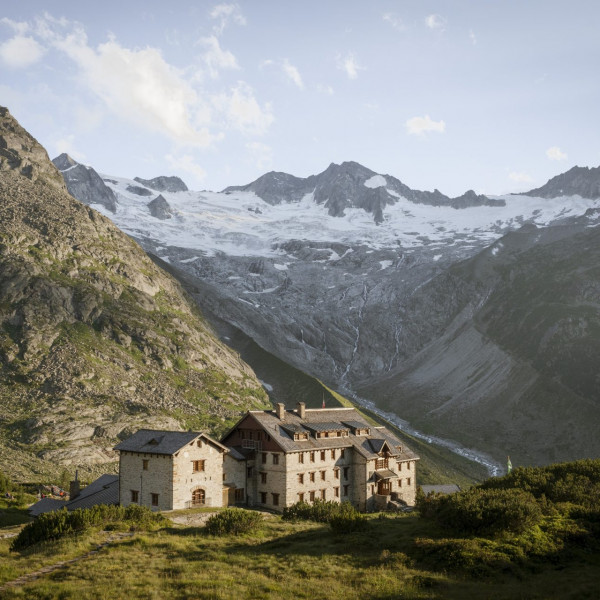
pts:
pixel 263 497
pixel 333 453
pixel 145 464
pixel 263 478
pixel 345 490
pixel 323 475
pixel 301 497
pixel 408 481
pixel 154 500
pixel 251 435
pixel 312 496
pixel 322 454
pixel 342 452
pixel 346 472
pixel 336 492
pixel 275 459
pixel 224 476
pixel 239 494
pixel 264 458
pixel 399 482
pixel 301 457
pixel 408 466
pixel 275 499
pixel 312 457
pixel 312 476
pixel 249 471
pixel 300 477
pixel 323 494
pixel 198 466
pixel 135 495
pixel 336 473
pixel 199 443
pixel 399 466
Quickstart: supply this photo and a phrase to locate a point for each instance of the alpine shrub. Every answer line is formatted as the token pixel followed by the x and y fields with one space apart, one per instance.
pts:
pixel 233 521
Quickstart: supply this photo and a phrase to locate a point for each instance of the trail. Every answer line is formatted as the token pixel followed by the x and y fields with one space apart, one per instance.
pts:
pixel 29 577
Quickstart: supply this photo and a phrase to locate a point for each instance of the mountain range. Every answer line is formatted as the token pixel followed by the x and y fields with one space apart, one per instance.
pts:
pixel 472 318
pixel 445 312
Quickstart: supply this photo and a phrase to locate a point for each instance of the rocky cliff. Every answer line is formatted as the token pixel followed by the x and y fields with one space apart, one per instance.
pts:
pixel 95 339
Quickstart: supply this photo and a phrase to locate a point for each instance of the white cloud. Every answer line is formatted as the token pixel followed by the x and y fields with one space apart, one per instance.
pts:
pixel 555 153
pixel 226 13
pixel 242 110
pixel 19 27
pixel 20 51
pixel 216 58
pixel 186 163
pixel 520 177
pixel 435 21
pixel 140 86
pixel 262 154
pixel 394 21
pixel 472 37
pixel 422 125
pixel 349 65
pixel 292 73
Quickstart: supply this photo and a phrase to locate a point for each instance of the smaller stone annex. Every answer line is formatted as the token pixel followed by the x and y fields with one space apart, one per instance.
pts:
pixel 270 459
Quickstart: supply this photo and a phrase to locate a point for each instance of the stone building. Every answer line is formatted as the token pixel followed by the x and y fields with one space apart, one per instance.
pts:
pixel 330 454
pixel 168 470
pixel 270 459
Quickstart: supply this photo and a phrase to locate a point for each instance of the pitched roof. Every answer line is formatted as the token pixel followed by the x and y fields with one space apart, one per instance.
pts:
pixel 154 441
pixel 104 490
pixel 326 419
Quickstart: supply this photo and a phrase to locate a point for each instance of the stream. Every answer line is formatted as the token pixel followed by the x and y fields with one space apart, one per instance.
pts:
pixel 494 468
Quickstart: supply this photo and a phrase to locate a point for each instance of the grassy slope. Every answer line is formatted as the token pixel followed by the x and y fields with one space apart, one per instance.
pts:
pixel 285 560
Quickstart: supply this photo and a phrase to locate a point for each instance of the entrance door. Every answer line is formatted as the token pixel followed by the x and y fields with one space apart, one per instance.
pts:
pixel 198 498
pixel 384 487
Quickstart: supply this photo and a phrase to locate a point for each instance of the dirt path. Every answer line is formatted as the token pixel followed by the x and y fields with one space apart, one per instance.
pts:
pixel 29 577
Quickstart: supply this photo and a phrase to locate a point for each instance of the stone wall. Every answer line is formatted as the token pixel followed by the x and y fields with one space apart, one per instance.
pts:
pixel 137 484
pixel 186 480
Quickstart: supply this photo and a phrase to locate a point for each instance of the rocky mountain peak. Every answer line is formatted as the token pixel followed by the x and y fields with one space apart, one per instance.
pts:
pixel 22 154
pixel 64 162
pixel 84 183
pixel 578 181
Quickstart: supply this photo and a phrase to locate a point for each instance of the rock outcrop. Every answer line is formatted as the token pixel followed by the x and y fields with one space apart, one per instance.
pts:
pixel 160 208
pixel 164 184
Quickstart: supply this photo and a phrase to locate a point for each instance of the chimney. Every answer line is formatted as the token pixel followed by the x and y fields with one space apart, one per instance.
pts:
pixel 74 488
pixel 281 411
pixel 301 410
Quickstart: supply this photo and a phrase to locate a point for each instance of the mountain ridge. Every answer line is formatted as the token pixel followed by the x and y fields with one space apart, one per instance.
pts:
pixel 351 185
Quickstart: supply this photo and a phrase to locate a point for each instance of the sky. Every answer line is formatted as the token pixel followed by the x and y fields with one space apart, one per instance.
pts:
pixel 492 95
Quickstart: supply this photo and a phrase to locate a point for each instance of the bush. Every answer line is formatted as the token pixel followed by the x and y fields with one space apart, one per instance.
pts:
pixel 348 523
pixel 55 525
pixel 483 511
pixel 233 521
pixel 320 511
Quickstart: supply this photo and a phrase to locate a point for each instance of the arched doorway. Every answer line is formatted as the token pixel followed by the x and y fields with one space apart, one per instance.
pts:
pixel 198 497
